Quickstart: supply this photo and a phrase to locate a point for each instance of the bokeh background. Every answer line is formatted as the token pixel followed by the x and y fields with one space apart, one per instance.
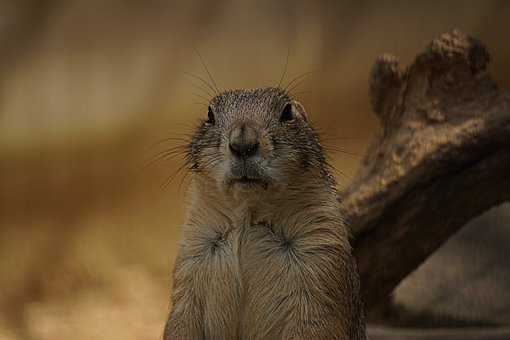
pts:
pixel 88 234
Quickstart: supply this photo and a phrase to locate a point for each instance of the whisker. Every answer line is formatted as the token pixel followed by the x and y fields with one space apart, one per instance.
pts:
pixel 162 157
pixel 202 80
pixel 338 172
pixel 285 68
pixel 200 96
pixel 207 70
pixel 298 78
pixel 170 154
pixel 181 149
pixel 200 103
pixel 211 158
pixel 298 83
pixel 204 90
pixel 293 94
pixel 326 135
pixel 342 138
pixel 170 178
pixel 170 139
pixel 186 173
pixel 334 149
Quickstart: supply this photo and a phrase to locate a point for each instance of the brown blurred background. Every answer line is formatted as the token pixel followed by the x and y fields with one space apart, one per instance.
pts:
pixel 87 234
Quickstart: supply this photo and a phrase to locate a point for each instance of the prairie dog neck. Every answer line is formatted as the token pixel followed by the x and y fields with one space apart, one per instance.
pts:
pixel 208 203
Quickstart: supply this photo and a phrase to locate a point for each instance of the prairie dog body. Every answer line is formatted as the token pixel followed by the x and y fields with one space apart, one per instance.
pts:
pixel 265 252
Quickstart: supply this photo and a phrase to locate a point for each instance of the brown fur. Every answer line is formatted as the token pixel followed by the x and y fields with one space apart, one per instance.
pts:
pixel 269 261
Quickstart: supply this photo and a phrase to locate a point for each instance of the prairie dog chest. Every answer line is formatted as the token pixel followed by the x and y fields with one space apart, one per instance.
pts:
pixel 239 249
pixel 239 241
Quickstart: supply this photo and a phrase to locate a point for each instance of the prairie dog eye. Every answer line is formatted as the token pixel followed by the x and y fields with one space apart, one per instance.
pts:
pixel 210 116
pixel 287 113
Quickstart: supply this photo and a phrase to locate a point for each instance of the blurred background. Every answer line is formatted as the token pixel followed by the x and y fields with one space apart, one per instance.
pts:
pixel 88 234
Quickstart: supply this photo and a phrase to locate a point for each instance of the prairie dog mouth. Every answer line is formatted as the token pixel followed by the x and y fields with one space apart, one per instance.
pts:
pixel 246 181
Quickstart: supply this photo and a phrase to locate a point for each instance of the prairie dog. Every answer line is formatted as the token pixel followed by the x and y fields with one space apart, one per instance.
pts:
pixel 265 252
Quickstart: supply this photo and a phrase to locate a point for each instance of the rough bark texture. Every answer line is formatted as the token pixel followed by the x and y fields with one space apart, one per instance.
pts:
pixel 442 157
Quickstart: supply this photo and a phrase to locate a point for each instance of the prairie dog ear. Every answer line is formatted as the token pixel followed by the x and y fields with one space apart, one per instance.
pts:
pixel 300 110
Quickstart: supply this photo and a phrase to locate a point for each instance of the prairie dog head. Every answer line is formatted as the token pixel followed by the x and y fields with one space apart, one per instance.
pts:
pixel 252 140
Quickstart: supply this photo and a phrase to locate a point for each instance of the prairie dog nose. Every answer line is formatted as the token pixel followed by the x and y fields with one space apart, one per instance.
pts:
pixel 243 141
